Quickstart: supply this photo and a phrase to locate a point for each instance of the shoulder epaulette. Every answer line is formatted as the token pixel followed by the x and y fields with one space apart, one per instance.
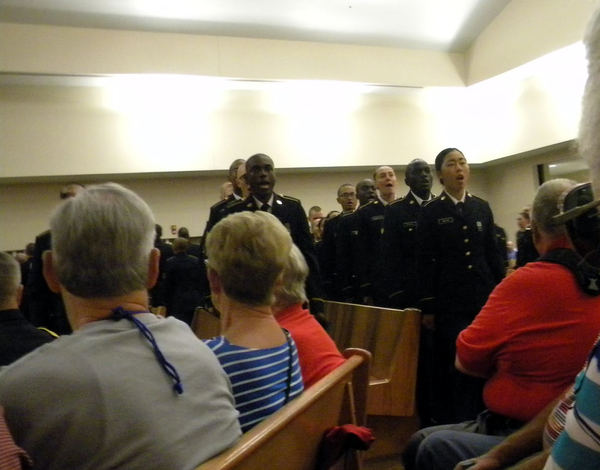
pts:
pixel 231 204
pixel 400 199
pixel 426 203
pixel 290 198
pixel 476 197
pixel 368 204
pixel 222 202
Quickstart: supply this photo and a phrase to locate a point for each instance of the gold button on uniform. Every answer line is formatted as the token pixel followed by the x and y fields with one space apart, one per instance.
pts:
pixel 468 253
pixel 470 266
pixel 466 240
pixel 464 227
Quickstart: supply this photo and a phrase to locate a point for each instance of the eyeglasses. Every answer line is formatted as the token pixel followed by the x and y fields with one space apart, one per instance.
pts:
pixel 347 195
pixel 575 202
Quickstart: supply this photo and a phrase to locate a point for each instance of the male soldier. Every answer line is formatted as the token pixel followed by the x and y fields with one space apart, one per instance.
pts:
pixel 216 211
pixel 346 198
pixel 46 309
pixel 370 223
pixel 398 240
pixel 347 244
pixel 315 214
pixel 260 175
pixel 399 266
pixel 459 265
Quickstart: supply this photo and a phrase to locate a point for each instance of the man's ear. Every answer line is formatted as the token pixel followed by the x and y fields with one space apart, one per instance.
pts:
pixel 50 272
pixel 153 268
pixel 20 295
pixel 214 281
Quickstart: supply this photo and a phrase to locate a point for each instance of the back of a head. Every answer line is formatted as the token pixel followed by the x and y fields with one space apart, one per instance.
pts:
pixel 101 242
pixel 10 278
pixel 183 232
pixel 291 291
pixel 545 206
pixel 180 244
pixel 249 250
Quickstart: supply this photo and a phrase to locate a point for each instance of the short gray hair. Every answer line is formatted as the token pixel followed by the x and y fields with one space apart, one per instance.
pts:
pixel 10 277
pixel 102 241
pixel 292 291
pixel 545 206
pixel 249 250
pixel 589 128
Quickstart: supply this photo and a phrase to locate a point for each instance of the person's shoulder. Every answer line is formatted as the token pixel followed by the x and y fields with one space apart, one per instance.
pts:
pixel 398 202
pixel 477 199
pixel 234 205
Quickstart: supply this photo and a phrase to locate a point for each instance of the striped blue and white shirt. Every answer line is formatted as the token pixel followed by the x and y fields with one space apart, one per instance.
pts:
pixel 578 447
pixel 259 377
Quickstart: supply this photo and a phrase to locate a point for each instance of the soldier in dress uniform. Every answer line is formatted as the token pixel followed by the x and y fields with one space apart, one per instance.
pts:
pixel 399 238
pixel 370 223
pixel 260 176
pixel 217 211
pixel 459 265
pixel 399 264
pixel 526 251
pixel 347 244
pixel 346 198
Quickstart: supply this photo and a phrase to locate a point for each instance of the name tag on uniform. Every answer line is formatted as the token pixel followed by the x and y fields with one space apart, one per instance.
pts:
pixel 354 232
pixel 409 224
pixel 479 226
pixel 377 217
pixel 446 220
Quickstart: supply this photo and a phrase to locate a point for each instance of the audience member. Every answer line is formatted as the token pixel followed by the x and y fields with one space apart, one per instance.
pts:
pixel 46 309
pixel 578 447
pixel 459 265
pixel 526 251
pixel 261 178
pixel 17 336
pixel 511 254
pixel 346 198
pixel 127 389
pixel 183 283
pixel 317 352
pixel 157 293
pixel 369 224
pixel 347 245
pixel 542 311
pixel 246 256
pixel 193 249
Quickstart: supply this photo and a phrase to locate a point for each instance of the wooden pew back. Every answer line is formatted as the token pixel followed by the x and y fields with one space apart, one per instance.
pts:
pixel 205 324
pixel 392 337
pixel 290 438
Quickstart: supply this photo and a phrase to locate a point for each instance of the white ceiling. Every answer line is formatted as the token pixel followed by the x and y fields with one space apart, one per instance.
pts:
pixel 444 25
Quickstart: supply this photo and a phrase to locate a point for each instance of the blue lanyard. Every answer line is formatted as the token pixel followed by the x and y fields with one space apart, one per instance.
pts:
pixel 119 313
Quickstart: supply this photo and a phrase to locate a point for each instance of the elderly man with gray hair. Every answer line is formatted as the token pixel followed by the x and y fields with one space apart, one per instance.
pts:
pixel 18 337
pixel 127 389
pixel 317 352
pixel 529 341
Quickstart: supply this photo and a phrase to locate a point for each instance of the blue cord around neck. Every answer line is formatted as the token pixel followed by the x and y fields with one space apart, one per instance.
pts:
pixel 119 313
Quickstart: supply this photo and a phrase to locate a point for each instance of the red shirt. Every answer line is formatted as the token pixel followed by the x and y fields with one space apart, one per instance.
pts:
pixel 317 352
pixel 531 339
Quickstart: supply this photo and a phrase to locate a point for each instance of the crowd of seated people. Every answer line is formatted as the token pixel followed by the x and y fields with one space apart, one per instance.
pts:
pixel 118 388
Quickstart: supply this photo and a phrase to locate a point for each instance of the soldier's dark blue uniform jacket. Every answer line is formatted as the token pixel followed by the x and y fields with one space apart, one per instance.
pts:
pixel 398 258
pixel 290 213
pixel 217 212
pixel 459 262
pixel 369 221
pixel 327 258
pixel 346 257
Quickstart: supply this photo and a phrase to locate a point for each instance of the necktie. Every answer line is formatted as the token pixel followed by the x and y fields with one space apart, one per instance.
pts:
pixel 266 208
pixel 459 207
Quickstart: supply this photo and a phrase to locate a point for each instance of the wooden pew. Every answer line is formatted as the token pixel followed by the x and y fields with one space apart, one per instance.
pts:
pixel 160 311
pixel 290 438
pixel 206 324
pixel 392 337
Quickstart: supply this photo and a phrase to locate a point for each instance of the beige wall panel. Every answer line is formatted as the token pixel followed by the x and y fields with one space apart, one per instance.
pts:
pixel 524 31
pixel 81 51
